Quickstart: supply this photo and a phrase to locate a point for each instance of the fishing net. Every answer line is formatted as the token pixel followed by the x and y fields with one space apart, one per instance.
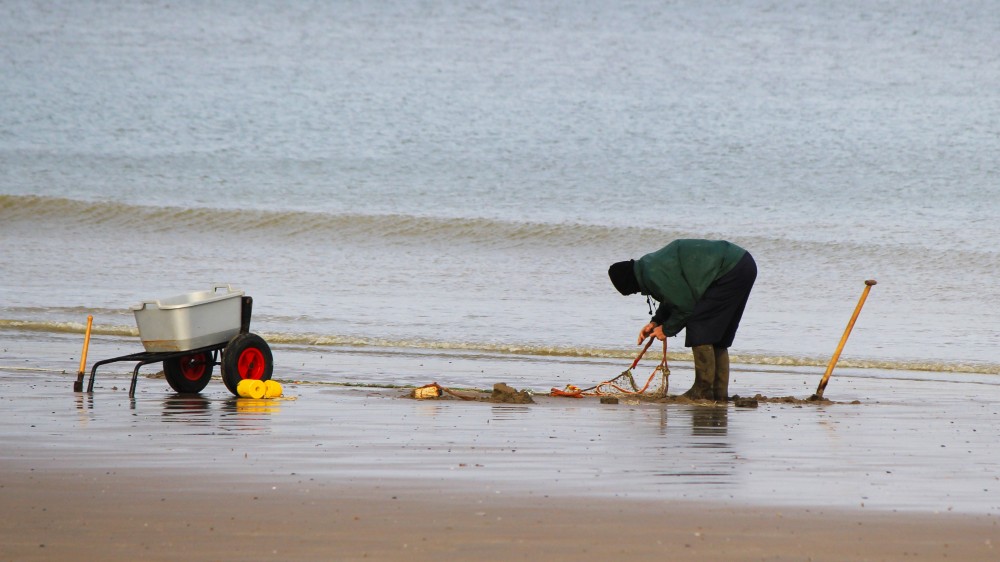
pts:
pixel 625 383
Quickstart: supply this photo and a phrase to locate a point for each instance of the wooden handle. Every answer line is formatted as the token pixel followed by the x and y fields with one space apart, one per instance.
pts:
pixel 86 345
pixel 843 339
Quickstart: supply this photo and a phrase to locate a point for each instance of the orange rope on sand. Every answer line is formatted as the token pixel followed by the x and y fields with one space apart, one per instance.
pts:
pixel 572 391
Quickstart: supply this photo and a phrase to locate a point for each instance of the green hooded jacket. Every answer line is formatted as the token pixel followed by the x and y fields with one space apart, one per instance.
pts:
pixel 678 274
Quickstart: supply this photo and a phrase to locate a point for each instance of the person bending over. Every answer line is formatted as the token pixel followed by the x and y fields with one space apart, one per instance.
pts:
pixel 702 286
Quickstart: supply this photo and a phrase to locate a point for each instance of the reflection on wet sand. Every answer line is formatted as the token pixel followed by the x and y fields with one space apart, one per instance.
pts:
pixel 230 413
pixel 187 408
pixel 709 420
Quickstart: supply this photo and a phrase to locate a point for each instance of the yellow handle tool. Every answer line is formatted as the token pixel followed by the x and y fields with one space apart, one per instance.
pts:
pixel 843 340
pixel 78 385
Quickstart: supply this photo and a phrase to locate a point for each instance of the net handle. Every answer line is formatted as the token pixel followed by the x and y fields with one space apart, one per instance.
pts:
pixel 643 352
pixel 663 364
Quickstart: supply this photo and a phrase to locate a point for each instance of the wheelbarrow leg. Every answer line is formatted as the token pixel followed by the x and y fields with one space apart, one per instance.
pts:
pixel 93 370
pixel 135 373
pixel 93 373
pixel 135 376
pixel 90 385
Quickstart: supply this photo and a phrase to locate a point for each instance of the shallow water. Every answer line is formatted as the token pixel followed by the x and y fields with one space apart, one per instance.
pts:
pixel 459 175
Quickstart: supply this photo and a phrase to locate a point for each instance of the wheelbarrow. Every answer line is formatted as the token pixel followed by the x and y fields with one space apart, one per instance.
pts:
pixel 191 334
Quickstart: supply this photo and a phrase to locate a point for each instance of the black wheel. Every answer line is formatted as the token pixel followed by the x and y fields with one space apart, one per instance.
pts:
pixel 246 356
pixel 189 374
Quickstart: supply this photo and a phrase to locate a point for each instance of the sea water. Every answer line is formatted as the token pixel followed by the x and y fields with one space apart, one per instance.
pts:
pixel 457 177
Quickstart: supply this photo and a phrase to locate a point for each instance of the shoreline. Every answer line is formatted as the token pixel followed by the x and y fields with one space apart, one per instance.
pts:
pixel 354 472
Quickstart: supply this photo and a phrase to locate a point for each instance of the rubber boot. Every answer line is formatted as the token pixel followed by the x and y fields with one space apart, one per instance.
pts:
pixel 720 389
pixel 704 373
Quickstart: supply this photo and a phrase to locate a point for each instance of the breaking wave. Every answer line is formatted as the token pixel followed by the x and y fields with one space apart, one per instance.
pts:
pixel 323 342
pixel 297 224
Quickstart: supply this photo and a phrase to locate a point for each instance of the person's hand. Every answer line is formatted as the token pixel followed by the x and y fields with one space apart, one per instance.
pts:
pixel 658 333
pixel 647 330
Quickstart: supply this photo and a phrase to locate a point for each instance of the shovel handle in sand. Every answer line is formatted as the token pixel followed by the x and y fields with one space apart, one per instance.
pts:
pixel 78 385
pixel 843 340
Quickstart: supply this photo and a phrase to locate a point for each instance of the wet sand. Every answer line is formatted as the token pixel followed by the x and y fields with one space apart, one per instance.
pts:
pixel 352 473
pixel 164 514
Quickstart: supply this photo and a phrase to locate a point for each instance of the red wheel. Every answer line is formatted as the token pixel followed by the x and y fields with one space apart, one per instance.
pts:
pixel 189 373
pixel 251 363
pixel 246 356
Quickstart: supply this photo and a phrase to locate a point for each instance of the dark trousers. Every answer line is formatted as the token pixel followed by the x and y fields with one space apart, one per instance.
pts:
pixel 716 317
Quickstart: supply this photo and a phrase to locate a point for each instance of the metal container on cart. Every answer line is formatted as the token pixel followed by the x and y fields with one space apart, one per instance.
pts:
pixel 189 321
pixel 192 333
